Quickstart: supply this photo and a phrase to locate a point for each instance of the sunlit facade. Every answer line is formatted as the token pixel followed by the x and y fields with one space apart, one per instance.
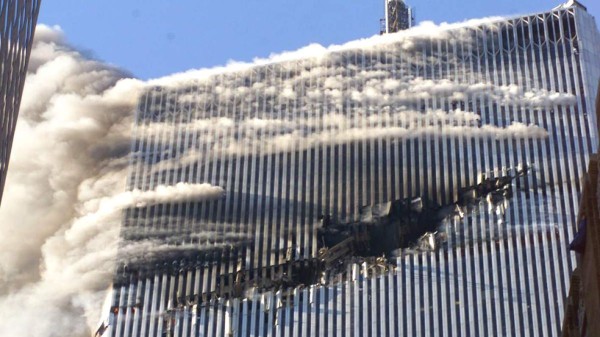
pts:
pixel 17 25
pixel 421 113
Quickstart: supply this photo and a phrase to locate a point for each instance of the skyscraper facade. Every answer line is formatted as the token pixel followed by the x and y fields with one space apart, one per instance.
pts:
pixel 412 184
pixel 17 26
pixel 398 16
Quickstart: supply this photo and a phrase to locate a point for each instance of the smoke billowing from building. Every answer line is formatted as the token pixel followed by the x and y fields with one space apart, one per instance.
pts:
pixel 66 191
pixel 480 130
pixel 177 181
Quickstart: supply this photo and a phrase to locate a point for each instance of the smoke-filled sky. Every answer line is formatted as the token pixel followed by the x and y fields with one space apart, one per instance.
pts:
pixel 155 38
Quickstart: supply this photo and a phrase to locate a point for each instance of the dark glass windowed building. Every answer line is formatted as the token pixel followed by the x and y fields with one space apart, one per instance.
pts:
pixel 17 25
pixel 413 184
pixel 398 16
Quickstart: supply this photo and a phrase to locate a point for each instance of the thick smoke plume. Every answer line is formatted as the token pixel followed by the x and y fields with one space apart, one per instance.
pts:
pixel 69 150
pixel 66 191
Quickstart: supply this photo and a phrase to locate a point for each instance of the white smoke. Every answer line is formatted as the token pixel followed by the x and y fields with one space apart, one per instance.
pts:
pixel 408 38
pixel 65 191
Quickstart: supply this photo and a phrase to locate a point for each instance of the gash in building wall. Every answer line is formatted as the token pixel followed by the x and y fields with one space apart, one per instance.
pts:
pixel 17 25
pixel 464 143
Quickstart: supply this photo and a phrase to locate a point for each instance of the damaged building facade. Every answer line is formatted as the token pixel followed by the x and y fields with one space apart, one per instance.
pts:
pixel 464 143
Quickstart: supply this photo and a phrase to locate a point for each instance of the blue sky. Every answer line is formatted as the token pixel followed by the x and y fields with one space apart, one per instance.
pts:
pixel 153 38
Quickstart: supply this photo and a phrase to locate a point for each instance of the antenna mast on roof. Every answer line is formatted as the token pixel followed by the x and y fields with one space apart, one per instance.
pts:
pixel 398 16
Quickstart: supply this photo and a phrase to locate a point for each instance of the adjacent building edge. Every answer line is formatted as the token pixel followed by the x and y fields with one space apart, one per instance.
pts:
pixel 582 312
pixel 18 19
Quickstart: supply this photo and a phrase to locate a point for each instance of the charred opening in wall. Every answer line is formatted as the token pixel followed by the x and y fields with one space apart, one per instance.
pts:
pixel 382 231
